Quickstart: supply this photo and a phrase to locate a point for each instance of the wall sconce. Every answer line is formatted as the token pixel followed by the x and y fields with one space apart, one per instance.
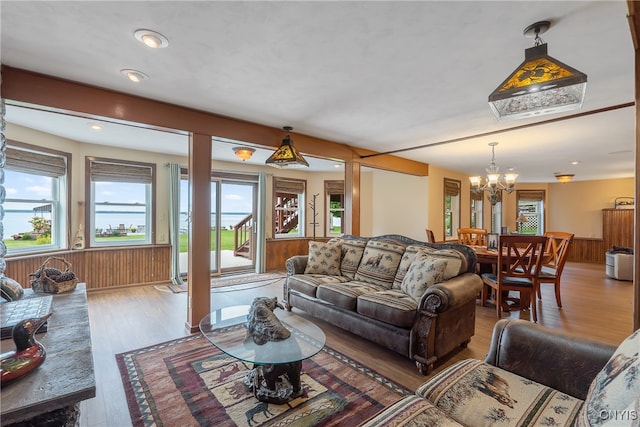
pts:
pixel 540 85
pixel 286 156
pixel 244 153
pixel 564 177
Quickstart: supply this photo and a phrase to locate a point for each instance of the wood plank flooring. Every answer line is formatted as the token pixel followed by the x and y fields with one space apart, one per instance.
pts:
pixel 125 319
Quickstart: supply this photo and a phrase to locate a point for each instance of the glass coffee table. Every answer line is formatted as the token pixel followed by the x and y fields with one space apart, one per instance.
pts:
pixel 275 376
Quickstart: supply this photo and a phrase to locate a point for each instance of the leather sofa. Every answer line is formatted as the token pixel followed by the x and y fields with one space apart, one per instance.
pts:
pixel 416 298
pixel 532 375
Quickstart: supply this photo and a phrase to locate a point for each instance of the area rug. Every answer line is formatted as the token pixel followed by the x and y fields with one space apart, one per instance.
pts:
pixel 234 280
pixel 189 382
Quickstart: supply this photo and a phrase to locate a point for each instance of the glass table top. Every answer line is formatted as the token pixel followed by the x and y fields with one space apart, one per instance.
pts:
pixel 225 328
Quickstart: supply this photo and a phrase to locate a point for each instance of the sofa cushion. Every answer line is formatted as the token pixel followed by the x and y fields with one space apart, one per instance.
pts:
pixel 615 387
pixel 411 411
pixel 308 283
pixel 390 306
pixel 410 253
pixel 379 263
pixel 352 250
pixel 324 258
pixel 425 271
pixel 476 393
pixel 345 295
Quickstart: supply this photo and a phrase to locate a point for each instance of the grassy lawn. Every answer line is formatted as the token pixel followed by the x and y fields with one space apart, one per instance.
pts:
pixel 226 241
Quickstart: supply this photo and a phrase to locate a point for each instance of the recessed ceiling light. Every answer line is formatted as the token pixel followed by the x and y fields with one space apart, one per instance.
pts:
pixel 96 126
pixel 151 39
pixel 134 75
pixel 575 162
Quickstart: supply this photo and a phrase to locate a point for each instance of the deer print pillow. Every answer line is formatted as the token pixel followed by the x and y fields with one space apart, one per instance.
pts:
pixel 615 388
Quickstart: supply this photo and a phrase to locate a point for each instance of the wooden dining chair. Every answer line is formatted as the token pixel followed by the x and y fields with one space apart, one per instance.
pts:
pixel 555 256
pixel 430 237
pixel 519 263
pixel 472 236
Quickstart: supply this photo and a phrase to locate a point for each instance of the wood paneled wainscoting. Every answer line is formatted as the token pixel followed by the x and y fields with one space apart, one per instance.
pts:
pixel 279 250
pixel 584 249
pixel 102 268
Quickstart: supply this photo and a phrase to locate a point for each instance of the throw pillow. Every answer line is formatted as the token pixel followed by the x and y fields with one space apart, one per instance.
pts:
pixel 379 263
pixel 424 272
pixel 10 289
pixel 324 258
pixel 457 261
pixel 615 387
pixel 409 255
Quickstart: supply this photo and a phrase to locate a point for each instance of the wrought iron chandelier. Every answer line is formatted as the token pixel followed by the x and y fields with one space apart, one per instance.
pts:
pixel 495 183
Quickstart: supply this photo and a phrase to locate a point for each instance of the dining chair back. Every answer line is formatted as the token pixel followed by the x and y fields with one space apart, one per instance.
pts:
pixel 430 237
pixel 472 236
pixel 556 253
pixel 519 263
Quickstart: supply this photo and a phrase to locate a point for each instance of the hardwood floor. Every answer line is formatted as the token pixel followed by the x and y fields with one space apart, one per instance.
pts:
pixel 121 320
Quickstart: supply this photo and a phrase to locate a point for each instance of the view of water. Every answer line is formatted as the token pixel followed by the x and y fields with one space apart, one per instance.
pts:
pixel 17 221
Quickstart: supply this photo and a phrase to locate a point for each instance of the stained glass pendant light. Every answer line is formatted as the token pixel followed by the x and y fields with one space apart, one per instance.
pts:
pixel 540 85
pixel 286 156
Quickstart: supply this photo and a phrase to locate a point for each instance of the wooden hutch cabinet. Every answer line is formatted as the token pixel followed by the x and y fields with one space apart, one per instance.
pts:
pixel 617 227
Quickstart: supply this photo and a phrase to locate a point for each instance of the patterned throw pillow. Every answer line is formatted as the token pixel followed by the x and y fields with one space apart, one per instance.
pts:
pixel 10 289
pixel 324 258
pixel 425 271
pixel 615 388
pixel 352 250
pixel 379 263
pixel 409 255
pixel 457 261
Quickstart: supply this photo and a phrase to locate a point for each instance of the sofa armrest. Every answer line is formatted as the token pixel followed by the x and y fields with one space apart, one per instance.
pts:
pixel 451 294
pixel 296 264
pixel 551 357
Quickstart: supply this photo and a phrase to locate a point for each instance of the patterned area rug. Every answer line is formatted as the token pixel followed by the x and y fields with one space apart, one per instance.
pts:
pixel 234 280
pixel 189 382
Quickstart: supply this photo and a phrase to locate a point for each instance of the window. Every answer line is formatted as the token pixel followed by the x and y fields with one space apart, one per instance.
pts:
pixel 531 210
pixel 288 207
pixel 477 220
pixel 121 202
pixel 36 202
pixel 496 216
pixel 334 218
pixel 451 208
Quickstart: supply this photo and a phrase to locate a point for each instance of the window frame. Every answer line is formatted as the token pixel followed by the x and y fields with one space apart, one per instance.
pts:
pixel 60 202
pixel 150 203
pixel 290 186
pixel 332 188
pixel 451 208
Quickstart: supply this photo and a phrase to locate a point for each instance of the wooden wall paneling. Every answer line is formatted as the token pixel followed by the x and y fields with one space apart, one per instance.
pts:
pixel 102 269
pixel 617 227
pixel 586 250
pixel 279 250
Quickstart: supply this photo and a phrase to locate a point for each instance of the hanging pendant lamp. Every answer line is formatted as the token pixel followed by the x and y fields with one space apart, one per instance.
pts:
pixel 286 156
pixel 540 85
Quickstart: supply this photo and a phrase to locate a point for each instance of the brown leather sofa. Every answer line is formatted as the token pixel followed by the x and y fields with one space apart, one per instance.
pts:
pixel 532 375
pixel 369 292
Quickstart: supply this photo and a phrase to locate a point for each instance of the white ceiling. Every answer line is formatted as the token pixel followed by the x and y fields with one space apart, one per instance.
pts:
pixel 380 75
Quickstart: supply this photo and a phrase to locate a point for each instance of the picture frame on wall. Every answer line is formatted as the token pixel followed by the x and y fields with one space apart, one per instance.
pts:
pixel 492 241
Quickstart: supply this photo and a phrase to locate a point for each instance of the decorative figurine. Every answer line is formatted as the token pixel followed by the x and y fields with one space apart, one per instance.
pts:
pixel 262 324
pixel 29 353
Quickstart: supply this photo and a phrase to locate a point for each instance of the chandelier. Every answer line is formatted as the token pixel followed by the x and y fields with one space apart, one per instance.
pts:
pixel 495 183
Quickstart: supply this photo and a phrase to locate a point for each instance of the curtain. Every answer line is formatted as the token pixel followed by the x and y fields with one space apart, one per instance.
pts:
pixel 260 223
pixel 174 222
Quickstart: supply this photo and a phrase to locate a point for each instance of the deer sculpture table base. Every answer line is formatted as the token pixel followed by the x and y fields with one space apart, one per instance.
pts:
pixel 276 384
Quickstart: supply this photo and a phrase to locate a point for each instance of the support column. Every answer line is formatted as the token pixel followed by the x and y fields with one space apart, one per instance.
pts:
pixel 352 197
pixel 199 280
